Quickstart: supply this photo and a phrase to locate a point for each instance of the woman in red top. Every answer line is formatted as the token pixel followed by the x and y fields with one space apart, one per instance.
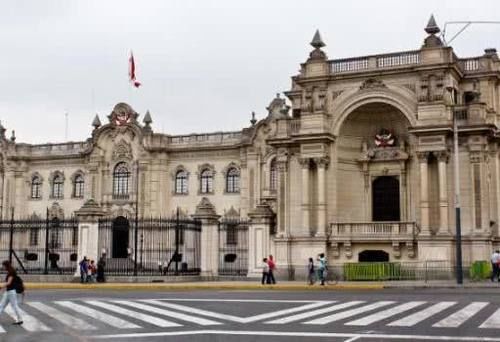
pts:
pixel 10 294
pixel 272 267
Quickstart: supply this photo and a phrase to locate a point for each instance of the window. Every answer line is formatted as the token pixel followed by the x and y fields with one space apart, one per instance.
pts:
pixel 273 176
pixel 181 182
pixel 36 187
pixel 121 177
pixel 206 182
pixel 233 180
pixel 34 235
pixel 78 186
pixel 232 234
pixel 57 186
pixel 55 234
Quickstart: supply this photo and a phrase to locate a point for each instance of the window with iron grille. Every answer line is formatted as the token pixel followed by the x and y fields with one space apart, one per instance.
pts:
pixel 55 234
pixel 57 187
pixel 273 176
pixel 121 176
pixel 231 234
pixel 206 185
pixel 78 187
pixel 181 182
pixel 74 237
pixel 34 236
pixel 233 180
pixel 36 187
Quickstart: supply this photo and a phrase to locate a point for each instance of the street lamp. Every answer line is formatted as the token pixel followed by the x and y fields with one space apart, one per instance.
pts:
pixel 458 228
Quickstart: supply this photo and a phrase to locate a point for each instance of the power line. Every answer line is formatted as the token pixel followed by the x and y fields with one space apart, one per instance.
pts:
pixel 462 29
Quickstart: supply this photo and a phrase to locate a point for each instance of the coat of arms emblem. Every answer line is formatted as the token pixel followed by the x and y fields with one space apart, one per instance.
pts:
pixel 384 138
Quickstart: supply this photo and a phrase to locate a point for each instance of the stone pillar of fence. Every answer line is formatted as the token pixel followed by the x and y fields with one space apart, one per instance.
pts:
pixel 88 230
pixel 259 238
pixel 209 249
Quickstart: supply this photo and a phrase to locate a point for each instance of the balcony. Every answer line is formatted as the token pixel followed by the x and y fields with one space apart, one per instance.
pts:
pixel 373 231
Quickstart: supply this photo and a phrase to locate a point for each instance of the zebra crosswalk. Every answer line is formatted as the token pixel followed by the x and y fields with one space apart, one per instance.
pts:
pixel 90 316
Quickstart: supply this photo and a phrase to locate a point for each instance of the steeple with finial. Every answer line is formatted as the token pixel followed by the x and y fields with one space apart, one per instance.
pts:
pixel 253 120
pixel 96 123
pixel 317 43
pixel 2 131
pixel 147 121
pixel 432 29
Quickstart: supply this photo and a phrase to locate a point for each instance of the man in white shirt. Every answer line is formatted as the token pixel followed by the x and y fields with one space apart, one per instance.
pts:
pixel 495 259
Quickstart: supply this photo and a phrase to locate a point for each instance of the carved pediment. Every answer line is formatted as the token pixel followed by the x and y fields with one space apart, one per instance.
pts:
pixel 122 151
pixel 372 83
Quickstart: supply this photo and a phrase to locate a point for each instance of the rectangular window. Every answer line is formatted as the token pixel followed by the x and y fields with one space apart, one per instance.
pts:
pixel 231 234
pixel 34 235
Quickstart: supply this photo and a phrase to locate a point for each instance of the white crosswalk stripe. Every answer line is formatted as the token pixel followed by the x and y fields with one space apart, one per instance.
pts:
pixel 30 323
pixel 64 318
pixel 349 313
pixel 459 317
pixel 98 315
pixel 168 313
pixel 493 321
pixel 134 314
pixel 309 314
pixel 385 314
pixel 418 317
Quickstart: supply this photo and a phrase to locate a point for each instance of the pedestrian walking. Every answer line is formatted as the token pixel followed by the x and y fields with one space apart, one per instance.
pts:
pixel 92 272
pixel 101 264
pixel 265 272
pixel 495 259
pixel 84 268
pixel 272 268
pixel 12 285
pixel 322 268
pixel 311 272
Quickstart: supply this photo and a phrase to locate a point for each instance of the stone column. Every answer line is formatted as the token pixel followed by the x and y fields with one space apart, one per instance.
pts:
pixel 88 231
pixel 424 192
pixel 259 241
pixel 442 158
pixel 205 212
pixel 321 164
pixel 304 162
pixel 282 198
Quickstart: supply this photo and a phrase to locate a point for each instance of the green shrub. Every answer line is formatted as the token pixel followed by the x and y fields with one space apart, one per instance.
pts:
pixel 480 269
pixel 372 271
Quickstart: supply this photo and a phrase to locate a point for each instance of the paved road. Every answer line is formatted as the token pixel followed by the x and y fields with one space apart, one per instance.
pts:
pixel 386 315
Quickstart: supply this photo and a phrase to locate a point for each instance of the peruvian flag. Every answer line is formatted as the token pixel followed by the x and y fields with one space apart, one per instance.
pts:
pixel 131 71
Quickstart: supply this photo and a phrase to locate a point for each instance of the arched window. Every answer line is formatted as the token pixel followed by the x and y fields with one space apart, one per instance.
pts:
pixel 181 182
pixel 206 179
pixel 233 180
pixel 78 186
pixel 57 186
pixel 36 187
pixel 121 177
pixel 273 176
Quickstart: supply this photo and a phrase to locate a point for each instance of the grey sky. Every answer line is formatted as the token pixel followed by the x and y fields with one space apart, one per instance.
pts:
pixel 204 65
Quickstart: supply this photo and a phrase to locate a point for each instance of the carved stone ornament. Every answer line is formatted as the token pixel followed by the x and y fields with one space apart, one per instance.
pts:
pixel 122 114
pixel 372 83
pixel 385 138
pixel 442 156
pixel 122 150
pixel 55 211
pixel 322 162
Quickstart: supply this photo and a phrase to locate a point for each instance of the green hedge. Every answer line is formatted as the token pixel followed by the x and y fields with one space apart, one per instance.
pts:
pixel 373 271
pixel 480 269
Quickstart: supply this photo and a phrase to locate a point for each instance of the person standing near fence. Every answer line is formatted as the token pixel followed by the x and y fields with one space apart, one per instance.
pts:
pixel 495 260
pixel 272 268
pixel 84 268
pixel 265 272
pixel 311 276
pixel 322 268
pixel 12 282
pixel 101 264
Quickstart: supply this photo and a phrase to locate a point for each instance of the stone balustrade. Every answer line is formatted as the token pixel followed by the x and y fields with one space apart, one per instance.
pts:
pixel 372 231
pixel 384 61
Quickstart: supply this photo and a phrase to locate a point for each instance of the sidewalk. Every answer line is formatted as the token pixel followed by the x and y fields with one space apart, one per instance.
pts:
pixel 248 285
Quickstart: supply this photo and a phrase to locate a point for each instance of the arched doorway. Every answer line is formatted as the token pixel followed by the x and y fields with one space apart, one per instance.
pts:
pixel 373 256
pixel 385 199
pixel 120 237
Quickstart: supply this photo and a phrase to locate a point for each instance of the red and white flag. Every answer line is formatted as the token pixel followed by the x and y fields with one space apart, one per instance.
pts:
pixel 131 71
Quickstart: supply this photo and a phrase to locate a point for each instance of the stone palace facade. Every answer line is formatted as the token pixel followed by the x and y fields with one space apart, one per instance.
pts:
pixel 355 161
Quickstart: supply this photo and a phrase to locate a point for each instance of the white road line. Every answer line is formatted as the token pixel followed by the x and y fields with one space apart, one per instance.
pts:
pixel 30 323
pixel 397 337
pixel 64 318
pixel 459 317
pixel 349 313
pixel 239 300
pixel 418 317
pixel 98 315
pixel 385 314
pixel 309 314
pixel 169 313
pixel 134 314
pixel 493 321
pixel 233 318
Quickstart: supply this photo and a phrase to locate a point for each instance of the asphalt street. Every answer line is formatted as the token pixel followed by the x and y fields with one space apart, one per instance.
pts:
pixel 369 315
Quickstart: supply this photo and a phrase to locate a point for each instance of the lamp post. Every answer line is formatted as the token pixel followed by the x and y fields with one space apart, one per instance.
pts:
pixel 458 227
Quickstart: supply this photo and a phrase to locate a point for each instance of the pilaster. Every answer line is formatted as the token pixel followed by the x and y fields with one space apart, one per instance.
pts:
pixel 205 212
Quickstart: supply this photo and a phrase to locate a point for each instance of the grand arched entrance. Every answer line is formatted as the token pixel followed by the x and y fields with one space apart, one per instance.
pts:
pixel 120 237
pixel 385 199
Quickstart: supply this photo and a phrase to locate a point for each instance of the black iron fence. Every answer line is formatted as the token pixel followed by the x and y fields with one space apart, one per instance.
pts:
pixel 37 246
pixel 154 246
pixel 233 247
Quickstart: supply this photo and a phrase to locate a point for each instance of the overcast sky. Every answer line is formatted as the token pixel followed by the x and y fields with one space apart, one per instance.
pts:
pixel 204 65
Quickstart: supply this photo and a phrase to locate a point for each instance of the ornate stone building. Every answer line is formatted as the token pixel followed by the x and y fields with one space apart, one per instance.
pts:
pixel 355 162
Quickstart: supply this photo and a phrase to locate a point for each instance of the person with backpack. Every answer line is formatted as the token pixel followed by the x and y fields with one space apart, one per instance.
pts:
pixel 13 284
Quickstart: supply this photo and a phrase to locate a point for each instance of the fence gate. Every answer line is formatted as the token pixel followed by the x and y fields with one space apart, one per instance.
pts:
pixel 40 246
pixel 233 247
pixel 153 247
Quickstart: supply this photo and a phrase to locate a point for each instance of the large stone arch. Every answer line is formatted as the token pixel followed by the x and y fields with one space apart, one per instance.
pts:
pixel 350 102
